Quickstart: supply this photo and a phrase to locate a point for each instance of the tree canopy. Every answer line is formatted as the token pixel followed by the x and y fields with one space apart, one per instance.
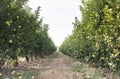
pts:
pixel 22 32
pixel 96 38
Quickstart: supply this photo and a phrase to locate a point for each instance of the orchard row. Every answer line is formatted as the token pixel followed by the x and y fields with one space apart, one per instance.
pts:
pixel 96 38
pixel 22 32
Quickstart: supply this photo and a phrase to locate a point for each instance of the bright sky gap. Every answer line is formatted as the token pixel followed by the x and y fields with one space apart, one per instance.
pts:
pixel 59 14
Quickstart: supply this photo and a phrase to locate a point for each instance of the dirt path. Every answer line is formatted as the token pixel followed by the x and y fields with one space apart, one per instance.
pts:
pixel 56 66
pixel 59 66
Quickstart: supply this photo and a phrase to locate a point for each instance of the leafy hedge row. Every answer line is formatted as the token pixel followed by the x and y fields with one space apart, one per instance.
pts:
pixel 96 38
pixel 22 33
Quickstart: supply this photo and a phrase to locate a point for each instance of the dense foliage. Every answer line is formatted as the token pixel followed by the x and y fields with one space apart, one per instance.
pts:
pixel 22 33
pixel 96 38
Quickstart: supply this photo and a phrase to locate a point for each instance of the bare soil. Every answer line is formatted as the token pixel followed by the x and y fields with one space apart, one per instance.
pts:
pixel 60 66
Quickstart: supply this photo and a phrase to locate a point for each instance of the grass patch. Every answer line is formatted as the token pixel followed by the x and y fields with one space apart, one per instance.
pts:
pixel 97 76
pixel 28 74
pixel 55 55
pixel 79 68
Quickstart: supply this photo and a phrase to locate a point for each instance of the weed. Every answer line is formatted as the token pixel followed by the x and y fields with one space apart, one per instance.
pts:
pixel 29 74
pixel 79 68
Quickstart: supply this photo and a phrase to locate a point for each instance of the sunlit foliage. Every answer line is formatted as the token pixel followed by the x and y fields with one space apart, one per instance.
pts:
pixel 22 32
pixel 96 38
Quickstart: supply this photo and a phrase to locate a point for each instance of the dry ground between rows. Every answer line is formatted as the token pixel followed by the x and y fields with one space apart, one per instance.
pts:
pixel 60 66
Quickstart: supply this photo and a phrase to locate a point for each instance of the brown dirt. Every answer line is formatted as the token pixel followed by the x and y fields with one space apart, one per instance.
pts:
pixel 62 68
